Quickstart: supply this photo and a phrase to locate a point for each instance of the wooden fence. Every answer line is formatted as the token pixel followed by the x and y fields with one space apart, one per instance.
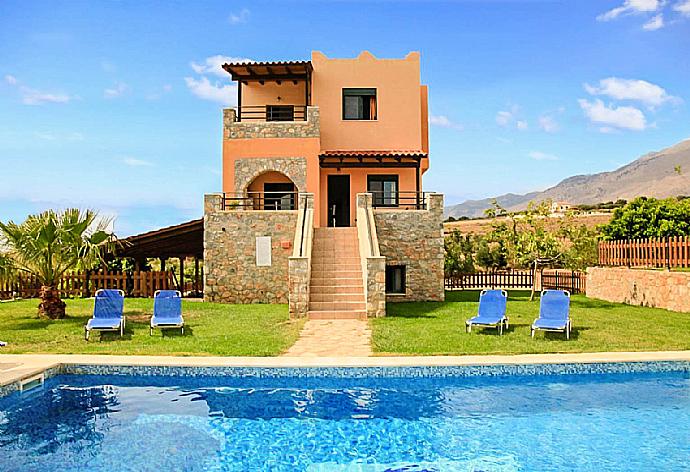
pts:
pixel 556 279
pixel 85 284
pixel 666 252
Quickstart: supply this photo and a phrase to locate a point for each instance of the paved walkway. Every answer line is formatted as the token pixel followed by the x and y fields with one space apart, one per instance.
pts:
pixel 333 338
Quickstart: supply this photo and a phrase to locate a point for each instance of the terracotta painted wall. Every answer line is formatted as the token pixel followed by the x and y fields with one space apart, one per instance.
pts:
pixel 399 102
pixel 254 93
pixel 358 184
pixel 308 148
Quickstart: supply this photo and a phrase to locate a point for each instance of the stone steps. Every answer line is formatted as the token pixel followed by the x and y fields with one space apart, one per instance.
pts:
pixel 336 287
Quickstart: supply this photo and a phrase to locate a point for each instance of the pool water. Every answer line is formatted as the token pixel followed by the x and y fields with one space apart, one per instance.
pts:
pixel 588 422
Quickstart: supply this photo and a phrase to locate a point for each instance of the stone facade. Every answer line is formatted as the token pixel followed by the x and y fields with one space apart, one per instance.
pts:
pixel 246 170
pixel 231 274
pixel 299 265
pixel 414 238
pixel 652 288
pixel 233 129
pixel 373 264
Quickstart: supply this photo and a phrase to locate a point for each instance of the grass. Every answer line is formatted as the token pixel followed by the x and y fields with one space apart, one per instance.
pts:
pixel 439 328
pixel 211 329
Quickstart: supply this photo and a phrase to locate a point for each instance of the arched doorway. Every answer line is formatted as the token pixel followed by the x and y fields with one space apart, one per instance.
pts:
pixel 272 190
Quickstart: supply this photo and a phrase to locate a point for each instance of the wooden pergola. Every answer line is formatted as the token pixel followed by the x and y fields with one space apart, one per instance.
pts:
pixel 337 159
pixel 262 72
pixel 173 242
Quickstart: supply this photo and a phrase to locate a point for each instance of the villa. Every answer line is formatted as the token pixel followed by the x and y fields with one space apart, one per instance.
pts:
pixel 322 203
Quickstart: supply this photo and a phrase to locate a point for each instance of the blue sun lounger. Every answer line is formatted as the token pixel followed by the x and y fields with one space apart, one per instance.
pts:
pixel 492 311
pixel 554 312
pixel 107 312
pixel 167 310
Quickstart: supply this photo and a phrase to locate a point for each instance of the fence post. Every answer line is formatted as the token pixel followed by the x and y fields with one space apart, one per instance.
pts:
pixel 668 252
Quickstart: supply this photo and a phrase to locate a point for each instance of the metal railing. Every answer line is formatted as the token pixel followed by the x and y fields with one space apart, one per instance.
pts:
pixel 260 201
pixel 272 113
pixel 399 200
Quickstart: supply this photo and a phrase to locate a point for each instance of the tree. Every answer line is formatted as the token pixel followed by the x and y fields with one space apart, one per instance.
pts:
pixel 52 243
pixel 459 254
pixel 649 218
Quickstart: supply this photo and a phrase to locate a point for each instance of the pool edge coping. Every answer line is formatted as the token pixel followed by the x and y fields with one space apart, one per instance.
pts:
pixel 31 365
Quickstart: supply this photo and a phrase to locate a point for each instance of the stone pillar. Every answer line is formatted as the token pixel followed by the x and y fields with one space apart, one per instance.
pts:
pixel 212 202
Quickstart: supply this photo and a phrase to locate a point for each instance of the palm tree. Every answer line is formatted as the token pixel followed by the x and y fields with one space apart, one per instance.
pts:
pixel 52 243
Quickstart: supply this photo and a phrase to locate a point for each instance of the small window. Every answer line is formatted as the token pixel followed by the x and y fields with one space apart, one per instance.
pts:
pixel 384 190
pixel 359 104
pixel 395 279
pixel 280 113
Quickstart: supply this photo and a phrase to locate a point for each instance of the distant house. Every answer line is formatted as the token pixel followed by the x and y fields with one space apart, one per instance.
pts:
pixel 322 202
pixel 560 208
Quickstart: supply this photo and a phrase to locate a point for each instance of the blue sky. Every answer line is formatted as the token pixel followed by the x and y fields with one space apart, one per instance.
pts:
pixel 116 105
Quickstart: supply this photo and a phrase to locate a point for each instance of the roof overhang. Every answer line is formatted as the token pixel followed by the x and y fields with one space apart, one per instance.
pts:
pixel 183 240
pixel 371 159
pixel 269 71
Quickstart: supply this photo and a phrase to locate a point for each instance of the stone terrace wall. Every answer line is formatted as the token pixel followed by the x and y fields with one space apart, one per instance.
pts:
pixel 309 128
pixel 230 271
pixel 653 288
pixel 414 238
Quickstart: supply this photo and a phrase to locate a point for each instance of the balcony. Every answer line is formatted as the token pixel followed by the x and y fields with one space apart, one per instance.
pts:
pixel 268 201
pixel 271 121
pixel 399 200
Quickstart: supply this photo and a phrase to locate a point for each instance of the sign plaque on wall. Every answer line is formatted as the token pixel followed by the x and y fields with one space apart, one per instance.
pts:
pixel 263 251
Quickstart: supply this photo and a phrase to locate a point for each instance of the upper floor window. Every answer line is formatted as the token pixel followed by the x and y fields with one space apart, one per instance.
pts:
pixel 280 113
pixel 359 104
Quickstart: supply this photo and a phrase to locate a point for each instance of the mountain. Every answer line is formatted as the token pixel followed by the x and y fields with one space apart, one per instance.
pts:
pixel 652 175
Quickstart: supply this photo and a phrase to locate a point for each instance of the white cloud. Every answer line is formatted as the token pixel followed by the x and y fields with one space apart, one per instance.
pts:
pixel 51 136
pixel 36 97
pixel 548 123
pixel 542 156
pixel 167 88
pixel 226 94
pixel 504 118
pixel 443 121
pixel 655 23
pixel 214 65
pixel 682 7
pixel 631 7
pixel 116 90
pixel 509 118
pixel 132 162
pixel 609 116
pixel 10 79
pixel 239 17
pixel 630 89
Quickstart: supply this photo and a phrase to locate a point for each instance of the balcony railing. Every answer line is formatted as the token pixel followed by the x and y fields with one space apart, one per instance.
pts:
pixel 272 113
pixel 399 200
pixel 260 201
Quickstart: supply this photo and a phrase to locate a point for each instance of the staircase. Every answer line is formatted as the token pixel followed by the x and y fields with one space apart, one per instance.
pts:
pixel 336 289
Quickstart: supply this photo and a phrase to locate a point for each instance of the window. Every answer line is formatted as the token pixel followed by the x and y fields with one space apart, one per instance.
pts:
pixel 280 113
pixel 384 190
pixel 279 196
pixel 359 104
pixel 395 279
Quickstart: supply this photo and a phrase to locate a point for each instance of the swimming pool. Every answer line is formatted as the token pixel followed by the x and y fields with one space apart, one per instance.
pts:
pixel 632 416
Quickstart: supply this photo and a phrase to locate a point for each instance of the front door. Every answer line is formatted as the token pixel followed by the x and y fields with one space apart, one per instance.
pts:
pixel 338 200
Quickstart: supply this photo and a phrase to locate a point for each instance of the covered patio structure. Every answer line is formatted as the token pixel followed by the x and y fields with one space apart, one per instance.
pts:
pixel 182 241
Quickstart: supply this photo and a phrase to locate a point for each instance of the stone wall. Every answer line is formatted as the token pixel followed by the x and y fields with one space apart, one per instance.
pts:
pixel 230 271
pixel 653 288
pixel 414 238
pixel 309 128
pixel 299 265
pixel 246 170
pixel 373 264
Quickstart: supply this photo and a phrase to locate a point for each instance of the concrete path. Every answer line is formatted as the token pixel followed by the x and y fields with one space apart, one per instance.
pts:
pixel 333 338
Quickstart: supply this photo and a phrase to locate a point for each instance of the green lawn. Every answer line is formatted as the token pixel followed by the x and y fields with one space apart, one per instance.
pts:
pixel 439 328
pixel 211 329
